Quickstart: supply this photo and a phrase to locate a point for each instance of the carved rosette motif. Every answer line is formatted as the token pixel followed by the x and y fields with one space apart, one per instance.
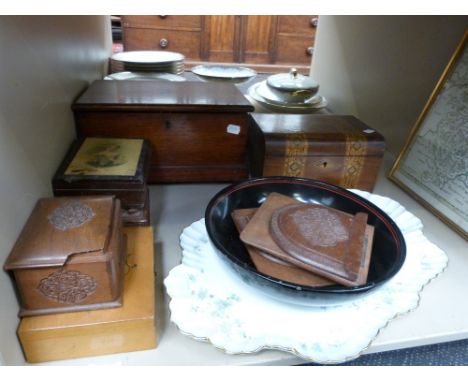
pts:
pixel 67 287
pixel 320 227
pixel 71 215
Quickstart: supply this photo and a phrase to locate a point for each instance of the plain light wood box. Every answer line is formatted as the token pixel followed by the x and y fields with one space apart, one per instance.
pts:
pixel 90 333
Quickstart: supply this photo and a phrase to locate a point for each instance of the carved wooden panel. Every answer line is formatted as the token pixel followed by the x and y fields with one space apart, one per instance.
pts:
pixel 258 39
pixel 71 215
pixel 221 38
pixel 69 287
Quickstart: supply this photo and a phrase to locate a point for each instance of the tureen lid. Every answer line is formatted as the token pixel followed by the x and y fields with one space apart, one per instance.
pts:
pixel 292 81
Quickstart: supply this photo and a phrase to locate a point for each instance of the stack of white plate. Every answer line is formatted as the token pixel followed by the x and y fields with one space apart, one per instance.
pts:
pixel 144 76
pixel 261 93
pixel 148 61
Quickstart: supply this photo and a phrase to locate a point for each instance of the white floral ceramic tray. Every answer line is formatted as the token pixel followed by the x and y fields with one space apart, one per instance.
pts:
pixel 210 302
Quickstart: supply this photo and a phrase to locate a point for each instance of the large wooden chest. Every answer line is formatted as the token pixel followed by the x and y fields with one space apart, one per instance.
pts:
pixel 127 328
pixel 197 130
pixel 69 256
pixel 108 166
pixel 337 149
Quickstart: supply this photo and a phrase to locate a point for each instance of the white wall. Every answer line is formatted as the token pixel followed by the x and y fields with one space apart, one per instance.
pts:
pixel 382 69
pixel 45 62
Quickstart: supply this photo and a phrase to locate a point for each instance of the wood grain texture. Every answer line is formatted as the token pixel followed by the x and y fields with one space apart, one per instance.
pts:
pixel 93 251
pixel 256 39
pixel 188 126
pixel 265 42
pixel 83 334
pixel 185 42
pixel 344 261
pixel 40 244
pixel 292 49
pixel 181 32
pixel 337 149
pixel 162 22
pixel 296 25
pixel 158 96
pixel 272 266
pixel 221 37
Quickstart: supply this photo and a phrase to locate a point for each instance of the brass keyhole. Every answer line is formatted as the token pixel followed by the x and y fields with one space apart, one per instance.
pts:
pixel 324 164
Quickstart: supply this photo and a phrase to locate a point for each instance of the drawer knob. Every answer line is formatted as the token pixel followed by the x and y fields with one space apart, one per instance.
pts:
pixel 314 22
pixel 163 43
pixel 310 50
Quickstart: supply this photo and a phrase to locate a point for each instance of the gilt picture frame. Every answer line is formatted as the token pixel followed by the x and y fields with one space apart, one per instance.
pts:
pixel 433 164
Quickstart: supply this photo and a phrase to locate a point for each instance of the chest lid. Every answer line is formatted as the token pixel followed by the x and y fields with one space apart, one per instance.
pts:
pixel 61 227
pixel 106 163
pixel 318 134
pixel 159 96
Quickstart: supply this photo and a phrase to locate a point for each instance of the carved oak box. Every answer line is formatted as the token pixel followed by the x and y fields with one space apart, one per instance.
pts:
pixel 69 256
pixel 130 327
pixel 108 166
pixel 338 149
pixel 197 130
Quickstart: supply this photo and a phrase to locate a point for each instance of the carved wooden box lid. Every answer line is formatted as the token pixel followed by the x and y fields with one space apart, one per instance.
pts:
pixel 62 227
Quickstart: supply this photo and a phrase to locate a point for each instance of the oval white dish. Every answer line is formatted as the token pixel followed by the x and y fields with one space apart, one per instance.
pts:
pixel 145 76
pixel 224 71
pixel 148 57
pixel 209 301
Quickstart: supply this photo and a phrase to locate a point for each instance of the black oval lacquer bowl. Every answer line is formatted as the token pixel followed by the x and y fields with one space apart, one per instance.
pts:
pixel 388 250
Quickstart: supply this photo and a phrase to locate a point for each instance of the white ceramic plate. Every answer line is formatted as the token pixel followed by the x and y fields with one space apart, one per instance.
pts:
pixel 210 302
pixel 141 76
pixel 148 57
pixel 223 71
pixel 260 93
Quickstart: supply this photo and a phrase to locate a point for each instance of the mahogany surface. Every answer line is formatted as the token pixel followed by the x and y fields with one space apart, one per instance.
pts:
pixel 197 130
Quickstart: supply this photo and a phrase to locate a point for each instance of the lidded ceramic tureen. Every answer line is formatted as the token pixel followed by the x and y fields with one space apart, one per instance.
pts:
pixel 292 87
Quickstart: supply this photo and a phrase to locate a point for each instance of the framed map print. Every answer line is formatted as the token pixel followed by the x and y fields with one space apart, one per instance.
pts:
pixel 433 165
